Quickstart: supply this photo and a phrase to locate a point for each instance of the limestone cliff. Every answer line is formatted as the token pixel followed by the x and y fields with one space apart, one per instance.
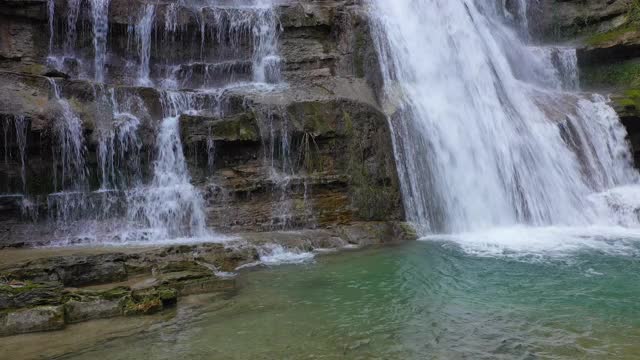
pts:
pixel 607 34
pixel 314 152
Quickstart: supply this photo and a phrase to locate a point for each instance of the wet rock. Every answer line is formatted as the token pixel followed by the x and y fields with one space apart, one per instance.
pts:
pixel 40 318
pixel 199 129
pixel 72 270
pixel 150 301
pixel 30 294
pixel 228 259
pixel 566 19
pixel 78 311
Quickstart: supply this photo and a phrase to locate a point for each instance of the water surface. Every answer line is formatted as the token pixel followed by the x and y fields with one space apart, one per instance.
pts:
pixel 423 300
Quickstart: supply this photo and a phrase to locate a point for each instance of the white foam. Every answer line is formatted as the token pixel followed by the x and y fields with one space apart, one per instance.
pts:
pixel 277 255
pixel 546 242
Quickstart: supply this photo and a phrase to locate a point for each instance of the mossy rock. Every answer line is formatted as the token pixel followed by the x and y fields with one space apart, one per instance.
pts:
pixel 145 307
pixel 621 75
pixel 41 318
pixel 30 294
pixel 241 127
pixel 150 301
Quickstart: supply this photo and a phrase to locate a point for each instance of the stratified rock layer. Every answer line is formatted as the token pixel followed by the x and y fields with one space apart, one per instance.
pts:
pixel 340 165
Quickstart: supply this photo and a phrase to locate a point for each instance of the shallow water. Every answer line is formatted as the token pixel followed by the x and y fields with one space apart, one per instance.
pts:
pixel 432 299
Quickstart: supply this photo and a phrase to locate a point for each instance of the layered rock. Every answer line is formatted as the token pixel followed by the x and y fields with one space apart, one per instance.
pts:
pixel 40 291
pixel 608 40
pixel 314 153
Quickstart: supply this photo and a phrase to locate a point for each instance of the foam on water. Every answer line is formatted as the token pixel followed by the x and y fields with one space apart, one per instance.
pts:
pixel 273 254
pixel 540 243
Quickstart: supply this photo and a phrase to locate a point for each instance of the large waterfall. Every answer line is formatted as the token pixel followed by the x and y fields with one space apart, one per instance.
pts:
pixel 490 131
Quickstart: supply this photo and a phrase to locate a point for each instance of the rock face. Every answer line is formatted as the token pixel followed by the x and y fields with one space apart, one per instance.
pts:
pixel 571 19
pixel 608 37
pixel 316 152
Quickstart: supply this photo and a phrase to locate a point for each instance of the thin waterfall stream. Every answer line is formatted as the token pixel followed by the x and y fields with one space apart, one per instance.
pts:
pixel 167 205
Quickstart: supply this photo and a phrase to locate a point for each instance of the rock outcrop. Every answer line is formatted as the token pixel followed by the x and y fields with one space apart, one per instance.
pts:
pixel 607 34
pixel 46 292
pixel 314 153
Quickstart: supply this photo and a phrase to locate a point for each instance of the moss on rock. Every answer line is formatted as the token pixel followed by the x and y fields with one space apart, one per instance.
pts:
pixel 617 75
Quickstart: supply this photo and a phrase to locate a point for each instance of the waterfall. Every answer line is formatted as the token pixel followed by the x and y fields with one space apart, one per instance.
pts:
pixel 119 146
pixel 266 62
pixel 237 46
pixel 100 17
pixel 487 131
pixel 143 34
pixel 69 147
pixel 73 11
pixel 170 206
pixel 22 127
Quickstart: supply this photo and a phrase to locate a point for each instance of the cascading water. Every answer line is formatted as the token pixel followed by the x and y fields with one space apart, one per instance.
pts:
pixel 70 148
pixel 143 35
pixel 237 46
pixel 171 207
pixel 21 124
pixel 119 146
pixel 483 140
pixel 100 14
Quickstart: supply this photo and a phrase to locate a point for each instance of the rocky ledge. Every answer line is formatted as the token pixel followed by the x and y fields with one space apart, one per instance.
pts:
pixel 46 289
pixel 607 35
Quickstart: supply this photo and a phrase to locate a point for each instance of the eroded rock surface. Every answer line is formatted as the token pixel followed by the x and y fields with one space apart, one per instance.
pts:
pixel 323 133
pixel 45 292
pixel 607 34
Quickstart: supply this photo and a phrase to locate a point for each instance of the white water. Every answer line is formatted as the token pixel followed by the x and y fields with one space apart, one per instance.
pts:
pixel 119 146
pixel 21 124
pixel 143 35
pixel 100 23
pixel 69 150
pixel 238 46
pixel 278 255
pixel 481 140
pixel 170 205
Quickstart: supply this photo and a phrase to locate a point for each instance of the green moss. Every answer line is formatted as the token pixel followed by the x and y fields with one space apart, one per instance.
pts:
pixel 316 119
pixel 144 307
pixel 359 54
pixel 115 293
pixel 618 75
pixel 610 36
pixel 372 195
pixel 631 24
pixel 348 123
pixel 17 290
pixel 627 104
pixel 242 127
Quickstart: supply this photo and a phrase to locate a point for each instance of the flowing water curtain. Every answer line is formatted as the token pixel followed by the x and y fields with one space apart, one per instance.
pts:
pixel 475 145
pixel 100 28
pixel 143 36
pixel 237 45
